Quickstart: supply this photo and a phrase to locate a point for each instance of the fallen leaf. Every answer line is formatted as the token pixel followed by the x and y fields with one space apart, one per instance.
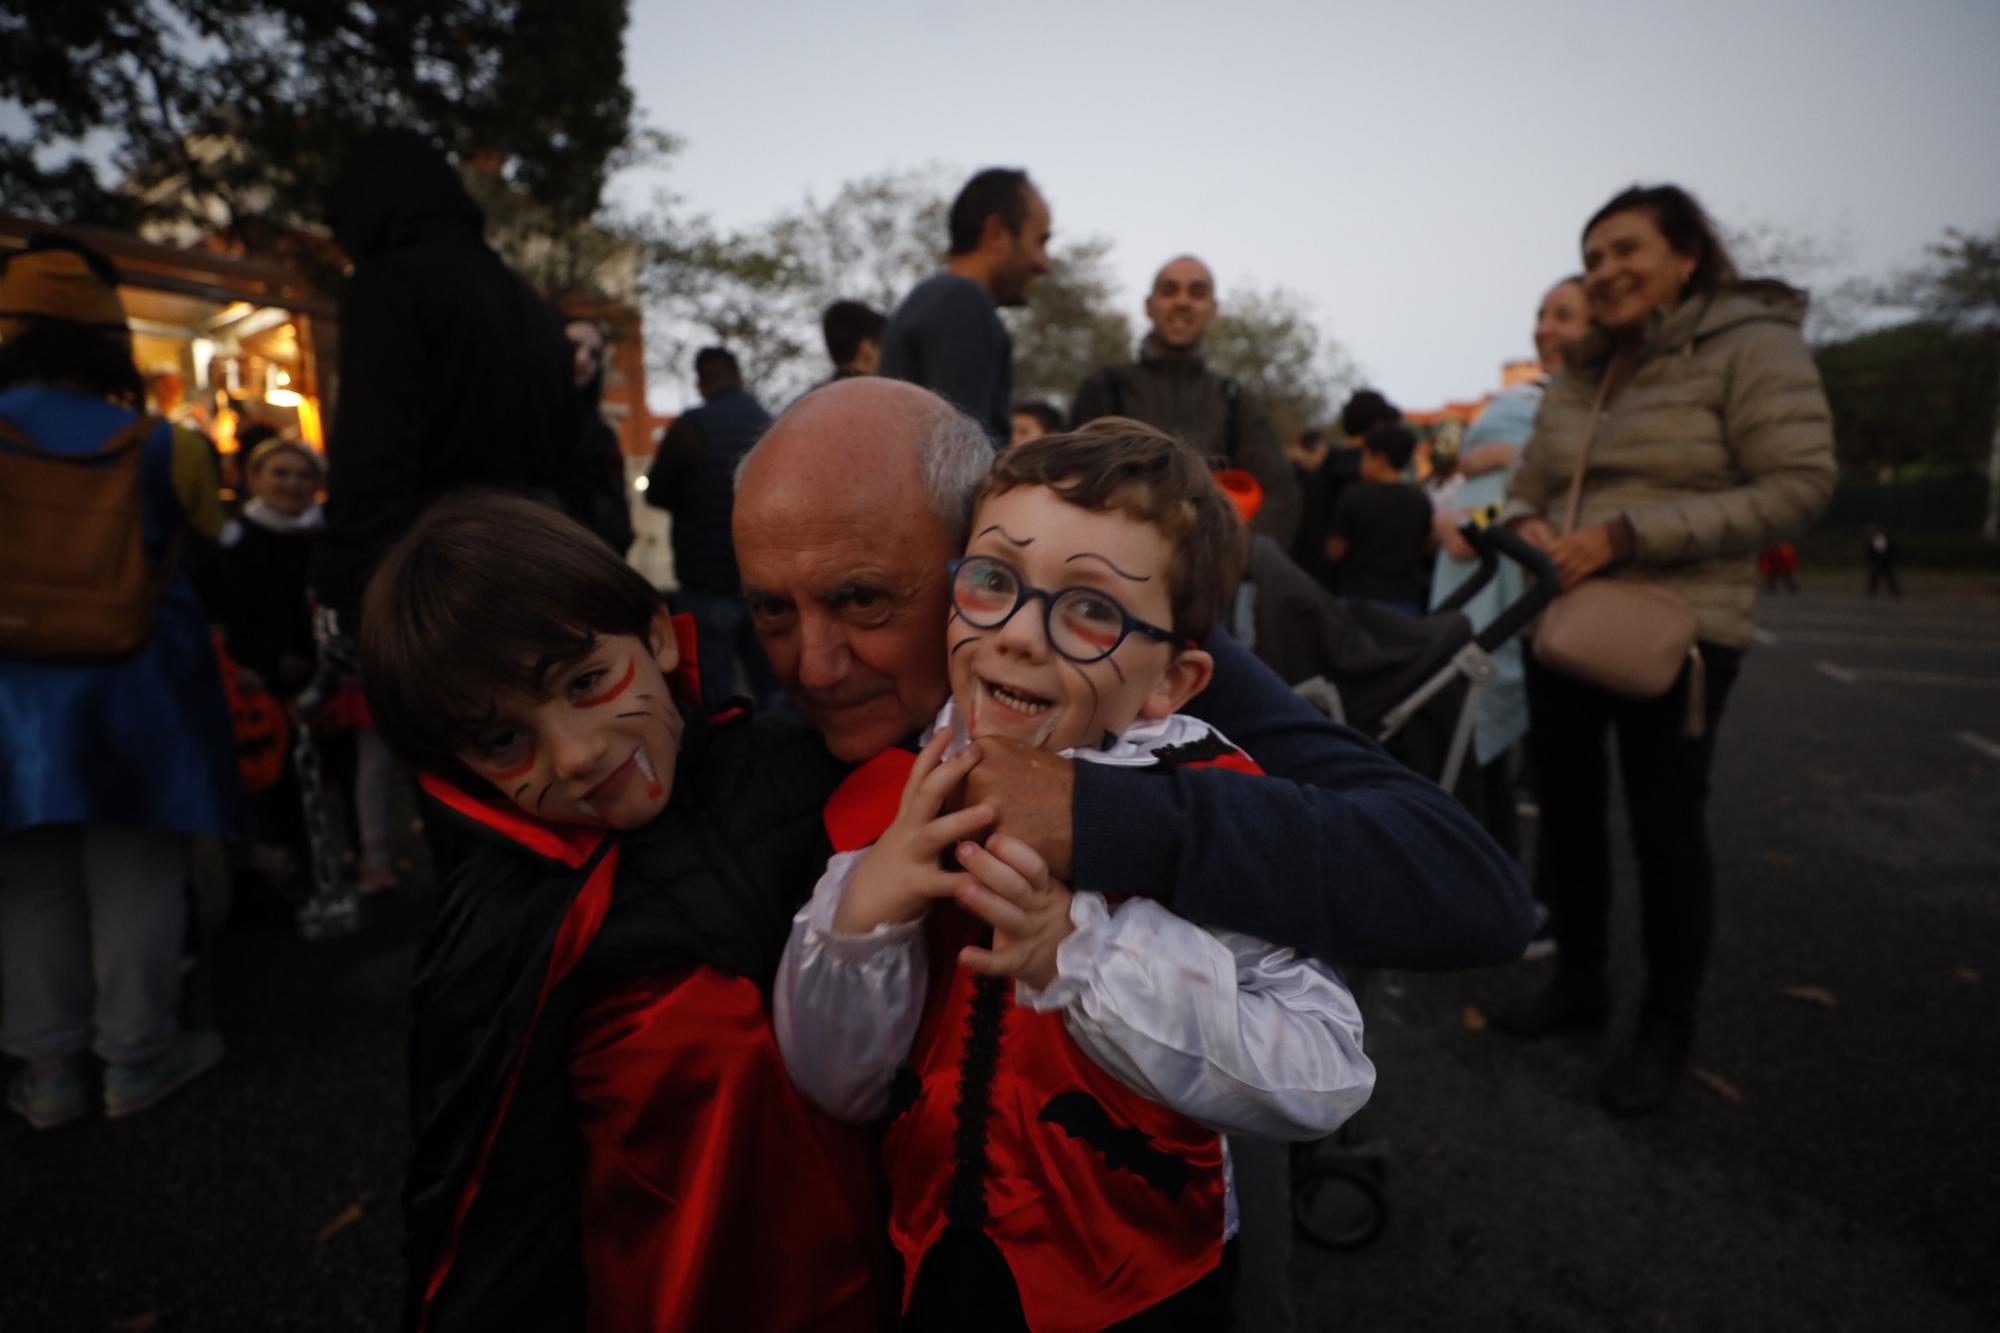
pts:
pixel 342 1220
pixel 1818 995
pixel 1718 1085
pixel 1969 975
pixel 1474 1020
pixel 138 1323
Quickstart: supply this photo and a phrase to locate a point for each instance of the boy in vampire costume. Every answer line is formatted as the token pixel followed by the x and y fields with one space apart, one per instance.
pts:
pixel 1055 1093
pixel 604 1136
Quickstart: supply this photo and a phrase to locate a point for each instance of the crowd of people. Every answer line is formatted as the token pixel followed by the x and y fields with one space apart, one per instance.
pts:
pixel 986 960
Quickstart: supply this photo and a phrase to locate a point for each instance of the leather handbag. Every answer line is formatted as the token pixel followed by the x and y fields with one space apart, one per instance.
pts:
pixel 1630 639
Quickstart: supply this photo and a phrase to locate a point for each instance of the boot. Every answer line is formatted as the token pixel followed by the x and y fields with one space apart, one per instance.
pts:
pixel 1644 1075
pixel 1566 1003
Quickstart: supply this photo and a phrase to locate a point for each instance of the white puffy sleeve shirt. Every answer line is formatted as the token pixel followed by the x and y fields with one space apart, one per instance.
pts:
pixel 1226 1029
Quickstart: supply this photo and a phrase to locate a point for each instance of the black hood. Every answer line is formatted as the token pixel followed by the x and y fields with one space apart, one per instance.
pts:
pixel 396 188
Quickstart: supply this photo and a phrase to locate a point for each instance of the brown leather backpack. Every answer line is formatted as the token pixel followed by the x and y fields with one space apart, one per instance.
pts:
pixel 75 584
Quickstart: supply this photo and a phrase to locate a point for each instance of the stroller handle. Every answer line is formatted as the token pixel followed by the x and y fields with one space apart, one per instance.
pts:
pixel 1489 565
pixel 1543 583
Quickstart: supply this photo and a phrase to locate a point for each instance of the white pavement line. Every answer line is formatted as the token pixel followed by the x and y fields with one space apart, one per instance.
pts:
pixel 1991 749
pixel 1763 636
pixel 1854 675
pixel 1880 641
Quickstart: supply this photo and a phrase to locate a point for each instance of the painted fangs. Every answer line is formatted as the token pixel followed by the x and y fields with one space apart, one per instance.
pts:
pixel 1052 714
pixel 645 765
pixel 1046 729
pixel 587 808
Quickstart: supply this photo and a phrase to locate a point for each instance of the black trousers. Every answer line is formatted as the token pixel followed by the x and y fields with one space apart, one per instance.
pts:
pixel 1665 776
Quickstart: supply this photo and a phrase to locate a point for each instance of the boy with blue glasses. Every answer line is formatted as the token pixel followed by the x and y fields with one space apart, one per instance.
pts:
pixel 1054 1154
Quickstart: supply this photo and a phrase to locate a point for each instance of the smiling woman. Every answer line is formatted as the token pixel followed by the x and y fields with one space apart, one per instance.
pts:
pixel 1684 433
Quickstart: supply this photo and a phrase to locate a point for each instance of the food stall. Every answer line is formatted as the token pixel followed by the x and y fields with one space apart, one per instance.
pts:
pixel 222 342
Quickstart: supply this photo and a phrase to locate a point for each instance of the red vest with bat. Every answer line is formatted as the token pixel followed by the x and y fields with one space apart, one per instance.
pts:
pixel 1102 1202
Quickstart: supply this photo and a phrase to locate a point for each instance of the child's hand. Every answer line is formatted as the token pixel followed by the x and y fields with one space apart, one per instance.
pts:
pixel 902 873
pixel 1029 912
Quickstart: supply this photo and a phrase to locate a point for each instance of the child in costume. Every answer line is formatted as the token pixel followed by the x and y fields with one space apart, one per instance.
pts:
pixel 604 1135
pixel 1054 1155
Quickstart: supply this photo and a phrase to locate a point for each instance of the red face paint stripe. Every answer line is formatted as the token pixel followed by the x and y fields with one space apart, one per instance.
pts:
pixel 503 774
pixel 631 670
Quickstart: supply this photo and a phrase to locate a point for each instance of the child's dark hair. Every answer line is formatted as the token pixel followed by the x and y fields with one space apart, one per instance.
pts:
pixel 1394 444
pixel 482 600
pixel 1116 464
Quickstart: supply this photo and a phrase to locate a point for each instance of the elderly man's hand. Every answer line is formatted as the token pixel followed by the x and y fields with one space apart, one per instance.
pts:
pixel 1031 789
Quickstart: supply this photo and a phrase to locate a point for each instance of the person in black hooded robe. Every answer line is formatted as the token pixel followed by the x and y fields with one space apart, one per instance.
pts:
pixel 454 375
pixel 453 372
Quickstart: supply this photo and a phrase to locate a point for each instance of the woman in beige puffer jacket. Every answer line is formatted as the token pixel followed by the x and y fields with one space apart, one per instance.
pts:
pixel 1714 442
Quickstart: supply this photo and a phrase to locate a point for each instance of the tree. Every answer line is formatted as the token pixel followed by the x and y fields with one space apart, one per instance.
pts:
pixel 1071 324
pixel 1915 393
pixel 230 116
pixel 1268 340
pixel 761 290
pixel 1764 249
pixel 1959 285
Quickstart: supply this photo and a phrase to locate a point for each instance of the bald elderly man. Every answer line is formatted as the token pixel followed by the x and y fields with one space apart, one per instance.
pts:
pixel 1171 387
pixel 845 515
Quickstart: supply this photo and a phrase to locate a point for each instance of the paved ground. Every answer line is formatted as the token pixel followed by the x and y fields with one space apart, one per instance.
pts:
pixel 1857 822
pixel 1854 1185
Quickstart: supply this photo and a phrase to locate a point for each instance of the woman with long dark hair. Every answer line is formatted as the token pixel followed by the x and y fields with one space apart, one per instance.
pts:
pixel 1686 432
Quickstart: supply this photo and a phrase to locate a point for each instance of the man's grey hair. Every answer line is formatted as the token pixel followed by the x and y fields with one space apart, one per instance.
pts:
pixel 951 461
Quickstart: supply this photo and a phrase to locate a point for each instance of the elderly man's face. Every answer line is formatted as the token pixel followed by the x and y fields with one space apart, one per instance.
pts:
pixel 843 569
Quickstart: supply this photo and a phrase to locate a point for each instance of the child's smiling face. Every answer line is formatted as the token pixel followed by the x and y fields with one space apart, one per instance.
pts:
pixel 599 747
pixel 1010 680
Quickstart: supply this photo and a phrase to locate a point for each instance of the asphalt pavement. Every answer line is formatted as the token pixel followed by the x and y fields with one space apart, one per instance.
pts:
pixel 1839 1169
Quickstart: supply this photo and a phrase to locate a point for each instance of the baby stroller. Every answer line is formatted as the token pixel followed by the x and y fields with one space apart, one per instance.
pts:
pixel 1414 685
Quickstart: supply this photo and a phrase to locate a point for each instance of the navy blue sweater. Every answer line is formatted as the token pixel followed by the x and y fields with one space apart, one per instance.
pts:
pixel 1339 852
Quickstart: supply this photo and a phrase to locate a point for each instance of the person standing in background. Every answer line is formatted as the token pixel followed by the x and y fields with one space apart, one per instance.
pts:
pixel 947 334
pixel 694 477
pixel 1172 389
pixel 1880 551
pixel 1686 431
pixel 853 334
pixel 607 513
pixel 1485 455
pixel 453 372
pixel 111 755
pixel 1382 528
pixel 1034 419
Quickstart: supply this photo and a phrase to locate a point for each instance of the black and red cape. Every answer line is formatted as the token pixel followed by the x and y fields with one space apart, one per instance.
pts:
pixel 604 1135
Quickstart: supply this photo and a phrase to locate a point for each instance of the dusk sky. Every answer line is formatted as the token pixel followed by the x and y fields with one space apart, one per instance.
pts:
pixel 1418 173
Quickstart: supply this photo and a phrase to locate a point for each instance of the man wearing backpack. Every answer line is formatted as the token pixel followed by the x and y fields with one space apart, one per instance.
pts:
pixel 1172 388
pixel 115 742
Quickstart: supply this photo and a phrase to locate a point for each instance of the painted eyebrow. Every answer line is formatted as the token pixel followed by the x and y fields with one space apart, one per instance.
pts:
pixel 1092 555
pixel 995 527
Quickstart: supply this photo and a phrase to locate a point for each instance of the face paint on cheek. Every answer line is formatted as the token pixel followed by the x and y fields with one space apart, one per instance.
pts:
pixel 514 771
pixel 968 639
pixel 624 682
pixel 1095 698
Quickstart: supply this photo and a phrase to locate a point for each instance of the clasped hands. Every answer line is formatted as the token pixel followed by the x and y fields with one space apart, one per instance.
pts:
pixel 1022 794
pixel 1577 556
